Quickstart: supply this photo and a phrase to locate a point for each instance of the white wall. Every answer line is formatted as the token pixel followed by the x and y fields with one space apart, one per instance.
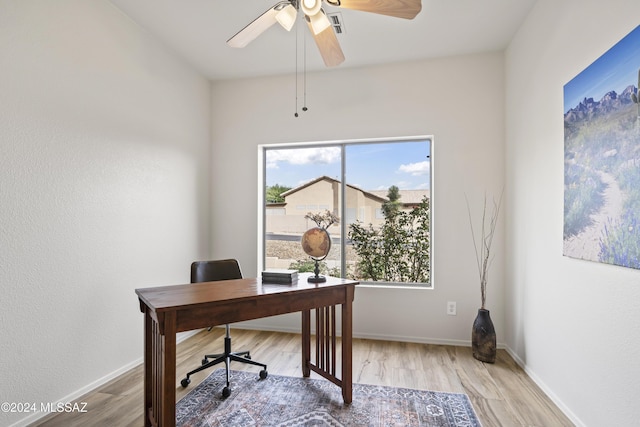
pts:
pixel 573 323
pixel 458 100
pixel 104 188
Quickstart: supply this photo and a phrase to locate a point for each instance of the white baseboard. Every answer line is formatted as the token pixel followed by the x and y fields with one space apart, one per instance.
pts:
pixel 76 395
pixel 254 326
pixel 536 379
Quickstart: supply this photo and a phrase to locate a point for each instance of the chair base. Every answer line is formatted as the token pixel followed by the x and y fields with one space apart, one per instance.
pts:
pixel 245 354
pixel 227 357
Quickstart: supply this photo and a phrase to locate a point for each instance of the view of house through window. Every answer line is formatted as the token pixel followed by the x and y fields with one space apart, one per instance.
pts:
pixel 379 191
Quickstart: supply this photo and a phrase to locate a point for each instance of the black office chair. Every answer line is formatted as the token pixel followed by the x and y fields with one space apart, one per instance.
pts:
pixel 209 271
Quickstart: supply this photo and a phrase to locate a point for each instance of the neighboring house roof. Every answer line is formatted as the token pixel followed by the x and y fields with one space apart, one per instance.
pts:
pixel 327 178
pixel 407 197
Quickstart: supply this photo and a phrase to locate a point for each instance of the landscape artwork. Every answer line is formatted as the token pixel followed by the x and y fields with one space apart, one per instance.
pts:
pixel 602 158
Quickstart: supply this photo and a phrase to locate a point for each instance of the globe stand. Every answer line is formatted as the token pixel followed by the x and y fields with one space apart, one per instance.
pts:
pixel 317 278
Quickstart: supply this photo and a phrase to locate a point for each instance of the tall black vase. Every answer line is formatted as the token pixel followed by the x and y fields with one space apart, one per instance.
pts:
pixel 483 337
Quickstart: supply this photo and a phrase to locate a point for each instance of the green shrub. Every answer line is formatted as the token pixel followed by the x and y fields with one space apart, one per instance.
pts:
pixel 398 251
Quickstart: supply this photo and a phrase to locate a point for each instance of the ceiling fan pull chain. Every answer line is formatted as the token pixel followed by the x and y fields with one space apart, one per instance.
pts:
pixel 304 73
pixel 304 68
pixel 297 32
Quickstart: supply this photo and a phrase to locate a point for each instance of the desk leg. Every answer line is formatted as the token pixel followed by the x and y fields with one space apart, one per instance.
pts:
pixel 148 371
pixel 347 342
pixel 306 343
pixel 160 372
pixel 168 372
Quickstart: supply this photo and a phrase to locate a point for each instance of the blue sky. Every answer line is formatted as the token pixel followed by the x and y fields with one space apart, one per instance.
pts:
pixel 614 70
pixel 375 166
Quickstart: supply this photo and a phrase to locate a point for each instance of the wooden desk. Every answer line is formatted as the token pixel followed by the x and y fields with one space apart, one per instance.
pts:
pixel 172 309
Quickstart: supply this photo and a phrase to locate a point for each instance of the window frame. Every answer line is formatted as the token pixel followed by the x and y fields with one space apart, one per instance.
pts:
pixel 262 171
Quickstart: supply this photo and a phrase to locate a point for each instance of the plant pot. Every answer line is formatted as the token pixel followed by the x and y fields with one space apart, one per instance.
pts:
pixel 483 337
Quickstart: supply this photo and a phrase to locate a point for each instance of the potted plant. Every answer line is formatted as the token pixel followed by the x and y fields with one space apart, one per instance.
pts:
pixel 483 334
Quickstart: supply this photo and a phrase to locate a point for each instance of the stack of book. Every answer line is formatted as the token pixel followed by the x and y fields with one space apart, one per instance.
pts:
pixel 280 276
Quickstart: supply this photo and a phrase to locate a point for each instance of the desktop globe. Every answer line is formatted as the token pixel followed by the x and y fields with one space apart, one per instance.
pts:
pixel 316 243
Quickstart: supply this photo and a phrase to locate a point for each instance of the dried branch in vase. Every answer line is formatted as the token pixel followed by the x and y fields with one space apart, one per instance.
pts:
pixel 482 245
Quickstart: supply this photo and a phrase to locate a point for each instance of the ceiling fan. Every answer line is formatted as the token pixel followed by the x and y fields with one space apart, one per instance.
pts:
pixel 285 13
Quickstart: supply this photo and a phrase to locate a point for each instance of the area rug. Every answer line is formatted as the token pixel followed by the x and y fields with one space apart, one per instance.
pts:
pixel 289 402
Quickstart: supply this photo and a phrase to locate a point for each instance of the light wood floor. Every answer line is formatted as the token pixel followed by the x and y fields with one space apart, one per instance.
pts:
pixel 501 393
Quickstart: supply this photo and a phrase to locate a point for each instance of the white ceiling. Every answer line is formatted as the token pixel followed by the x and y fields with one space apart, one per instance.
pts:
pixel 198 30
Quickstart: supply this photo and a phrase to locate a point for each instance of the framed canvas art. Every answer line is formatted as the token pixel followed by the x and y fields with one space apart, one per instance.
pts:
pixel 602 158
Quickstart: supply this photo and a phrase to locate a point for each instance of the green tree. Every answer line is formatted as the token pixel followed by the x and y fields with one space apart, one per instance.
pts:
pixel 398 251
pixel 274 193
pixel 392 206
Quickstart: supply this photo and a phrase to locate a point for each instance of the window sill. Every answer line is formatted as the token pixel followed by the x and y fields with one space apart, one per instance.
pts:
pixel 394 286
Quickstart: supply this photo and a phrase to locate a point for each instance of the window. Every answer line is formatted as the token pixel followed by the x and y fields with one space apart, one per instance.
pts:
pixel 379 189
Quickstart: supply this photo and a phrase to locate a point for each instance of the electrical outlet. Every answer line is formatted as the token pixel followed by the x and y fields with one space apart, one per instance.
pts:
pixel 451 308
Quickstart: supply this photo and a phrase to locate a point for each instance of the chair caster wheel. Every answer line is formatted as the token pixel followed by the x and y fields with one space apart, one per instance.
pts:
pixel 226 392
pixel 248 356
pixel 185 382
pixel 205 361
pixel 263 374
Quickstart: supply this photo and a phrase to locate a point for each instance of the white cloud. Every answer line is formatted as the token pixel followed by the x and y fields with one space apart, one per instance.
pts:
pixel 416 169
pixel 303 156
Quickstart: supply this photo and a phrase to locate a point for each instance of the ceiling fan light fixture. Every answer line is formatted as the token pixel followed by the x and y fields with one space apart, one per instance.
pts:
pixel 287 17
pixel 319 22
pixel 311 7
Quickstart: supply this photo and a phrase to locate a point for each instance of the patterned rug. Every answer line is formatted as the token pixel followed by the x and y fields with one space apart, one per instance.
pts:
pixel 290 402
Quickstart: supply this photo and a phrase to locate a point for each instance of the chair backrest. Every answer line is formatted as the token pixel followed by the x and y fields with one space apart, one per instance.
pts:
pixel 209 271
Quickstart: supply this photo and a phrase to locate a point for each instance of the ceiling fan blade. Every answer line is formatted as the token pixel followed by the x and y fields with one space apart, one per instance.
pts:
pixel 328 46
pixel 407 9
pixel 255 28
